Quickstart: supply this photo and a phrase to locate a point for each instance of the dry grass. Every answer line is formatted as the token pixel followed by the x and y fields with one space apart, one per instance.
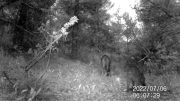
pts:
pixel 76 82
pixel 64 80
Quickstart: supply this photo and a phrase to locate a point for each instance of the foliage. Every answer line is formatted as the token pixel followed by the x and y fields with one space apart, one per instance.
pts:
pixel 92 29
pixel 25 88
pixel 41 25
pixel 24 19
pixel 158 39
pixel 15 84
pixel 55 36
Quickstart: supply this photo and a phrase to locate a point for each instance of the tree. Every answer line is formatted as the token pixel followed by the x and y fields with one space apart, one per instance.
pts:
pixel 25 17
pixel 91 29
pixel 160 34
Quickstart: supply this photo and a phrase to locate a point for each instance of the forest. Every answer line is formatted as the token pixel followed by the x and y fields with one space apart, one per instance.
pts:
pixel 74 50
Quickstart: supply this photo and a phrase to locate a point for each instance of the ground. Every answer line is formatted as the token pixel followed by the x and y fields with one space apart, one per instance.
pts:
pixel 69 80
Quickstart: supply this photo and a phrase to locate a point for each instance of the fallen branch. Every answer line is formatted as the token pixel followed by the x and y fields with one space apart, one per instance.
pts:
pixel 7 77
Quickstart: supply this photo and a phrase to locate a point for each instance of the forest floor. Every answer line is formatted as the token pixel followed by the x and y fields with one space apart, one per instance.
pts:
pixel 77 81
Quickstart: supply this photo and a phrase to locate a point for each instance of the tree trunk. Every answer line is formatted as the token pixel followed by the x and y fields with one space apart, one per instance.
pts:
pixel 75 32
pixel 21 22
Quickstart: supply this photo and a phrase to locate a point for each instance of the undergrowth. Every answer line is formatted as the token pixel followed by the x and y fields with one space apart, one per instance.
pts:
pixel 63 80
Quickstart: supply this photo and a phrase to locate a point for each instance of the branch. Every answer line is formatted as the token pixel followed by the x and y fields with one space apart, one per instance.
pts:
pixel 12 1
pixel 40 55
pixel 3 20
pixel 165 10
pixel 137 40
pixel 7 77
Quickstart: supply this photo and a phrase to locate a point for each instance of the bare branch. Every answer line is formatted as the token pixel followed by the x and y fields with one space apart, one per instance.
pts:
pixel 8 3
pixel 3 20
pixel 7 77
pixel 165 10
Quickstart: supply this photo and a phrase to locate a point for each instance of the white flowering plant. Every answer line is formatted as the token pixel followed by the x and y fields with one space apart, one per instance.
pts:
pixel 52 38
pixel 56 35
